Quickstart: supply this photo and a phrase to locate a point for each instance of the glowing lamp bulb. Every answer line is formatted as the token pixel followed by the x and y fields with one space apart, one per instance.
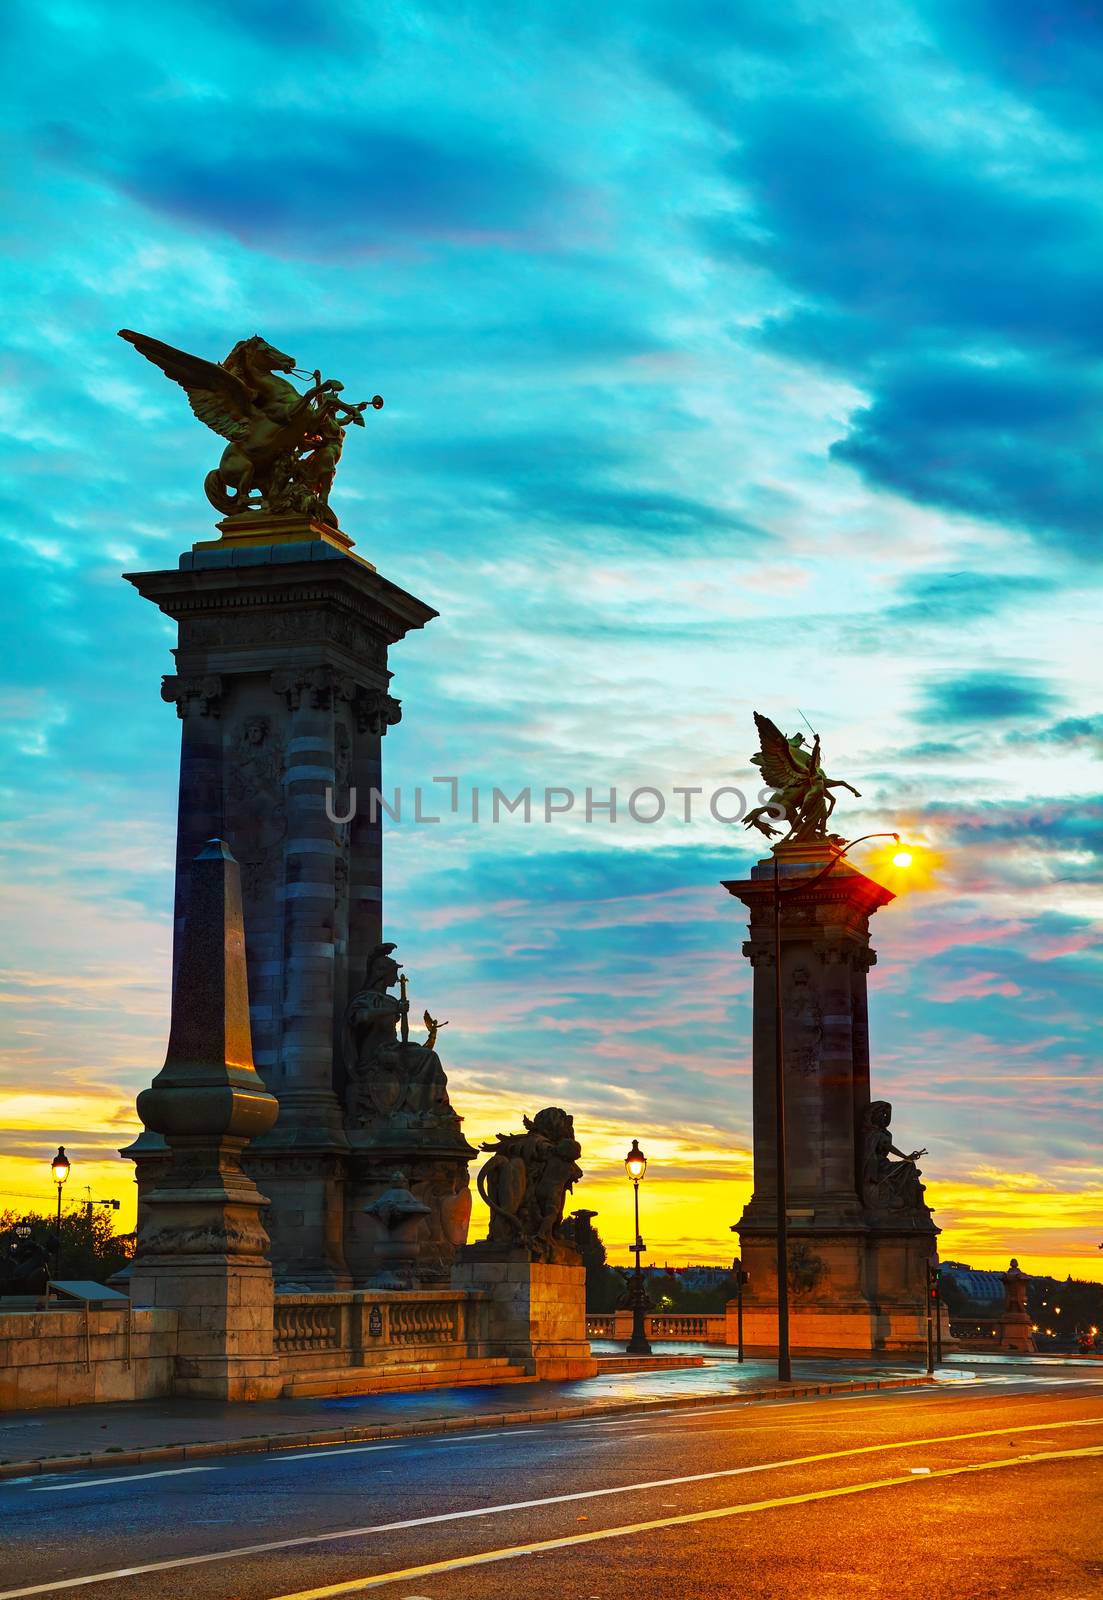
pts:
pixel 635 1162
pixel 59 1166
pixel 902 858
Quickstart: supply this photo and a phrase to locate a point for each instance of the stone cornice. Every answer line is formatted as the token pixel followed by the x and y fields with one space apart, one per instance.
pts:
pixel 338 581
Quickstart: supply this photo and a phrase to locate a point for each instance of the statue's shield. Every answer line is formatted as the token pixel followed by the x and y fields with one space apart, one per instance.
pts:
pixel 385 1091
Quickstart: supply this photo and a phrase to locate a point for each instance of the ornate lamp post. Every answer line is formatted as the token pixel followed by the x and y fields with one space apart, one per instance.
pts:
pixel 60 1169
pixel 903 859
pixel 635 1164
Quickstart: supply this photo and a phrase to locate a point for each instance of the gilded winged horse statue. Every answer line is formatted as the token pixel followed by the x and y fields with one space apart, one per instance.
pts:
pixel 283 446
pixel 802 790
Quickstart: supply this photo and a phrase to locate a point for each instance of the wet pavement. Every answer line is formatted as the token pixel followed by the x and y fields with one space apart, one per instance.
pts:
pixel 146 1425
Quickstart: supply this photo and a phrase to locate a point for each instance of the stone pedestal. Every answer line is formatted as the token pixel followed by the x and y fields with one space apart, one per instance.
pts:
pixel 858 1246
pixel 1016 1327
pixel 201 1249
pixel 434 1165
pixel 281 685
pixel 202 1254
pixel 537 1309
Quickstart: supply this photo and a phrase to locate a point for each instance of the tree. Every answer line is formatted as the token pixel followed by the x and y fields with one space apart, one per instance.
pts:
pixel 90 1247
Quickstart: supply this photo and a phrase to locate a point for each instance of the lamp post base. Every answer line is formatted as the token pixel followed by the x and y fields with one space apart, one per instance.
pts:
pixel 638 1344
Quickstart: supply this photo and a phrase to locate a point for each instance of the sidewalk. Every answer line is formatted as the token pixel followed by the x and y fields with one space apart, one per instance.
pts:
pixel 77 1437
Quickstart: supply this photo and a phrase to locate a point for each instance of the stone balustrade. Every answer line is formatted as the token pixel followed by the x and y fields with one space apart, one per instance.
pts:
pixel 701 1328
pixel 693 1328
pixel 358 1328
pixel 601 1326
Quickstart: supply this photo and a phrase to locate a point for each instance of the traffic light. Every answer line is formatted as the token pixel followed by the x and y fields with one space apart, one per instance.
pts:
pixel 933 1274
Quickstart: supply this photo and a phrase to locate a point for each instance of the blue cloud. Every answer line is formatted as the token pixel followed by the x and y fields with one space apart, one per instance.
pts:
pixel 1070 732
pixel 1051 54
pixel 962 296
pixel 947 597
pixel 382 183
pixel 952 435
pixel 985 696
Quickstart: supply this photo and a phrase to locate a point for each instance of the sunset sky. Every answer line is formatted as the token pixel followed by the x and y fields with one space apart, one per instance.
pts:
pixel 735 357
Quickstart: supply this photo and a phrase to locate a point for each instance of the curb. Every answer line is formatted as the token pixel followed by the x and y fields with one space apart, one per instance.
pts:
pixel 255 1444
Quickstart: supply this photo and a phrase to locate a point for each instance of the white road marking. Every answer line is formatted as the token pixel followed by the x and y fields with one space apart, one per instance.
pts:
pixel 307 1453
pixel 134 1477
pixel 492 1433
pixel 330 1591
pixel 522 1505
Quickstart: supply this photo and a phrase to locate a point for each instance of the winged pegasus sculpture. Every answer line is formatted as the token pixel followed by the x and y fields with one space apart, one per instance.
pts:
pixel 282 446
pixel 802 790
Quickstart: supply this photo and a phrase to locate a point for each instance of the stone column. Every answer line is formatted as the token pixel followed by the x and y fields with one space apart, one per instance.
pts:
pixel 856 1268
pixel 283 688
pixel 202 1247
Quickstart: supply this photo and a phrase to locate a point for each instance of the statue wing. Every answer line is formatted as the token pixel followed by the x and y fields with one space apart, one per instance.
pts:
pixel 217 397
pixel 775 758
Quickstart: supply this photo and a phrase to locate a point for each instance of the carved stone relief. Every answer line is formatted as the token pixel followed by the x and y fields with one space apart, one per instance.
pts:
pixel 255 800
pixel 342 831
pixel 803 1024
pixel 283 627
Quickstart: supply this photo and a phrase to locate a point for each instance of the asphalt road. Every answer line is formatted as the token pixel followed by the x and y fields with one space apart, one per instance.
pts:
pixel 965 1492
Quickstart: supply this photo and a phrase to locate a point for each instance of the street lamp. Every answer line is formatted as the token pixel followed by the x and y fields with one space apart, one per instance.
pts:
pixel 59 1166
pixel 635 1164
pixel 784 1364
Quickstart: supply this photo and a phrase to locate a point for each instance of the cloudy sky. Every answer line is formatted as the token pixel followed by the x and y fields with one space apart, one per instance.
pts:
pixel 735 356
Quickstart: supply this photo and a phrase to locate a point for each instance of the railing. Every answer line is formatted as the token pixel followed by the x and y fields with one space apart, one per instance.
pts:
pixel 975 1332
pixel 697 1328
pixel 425 1322
pixel 364 1326
pixel 304 1326
pixel 601 1327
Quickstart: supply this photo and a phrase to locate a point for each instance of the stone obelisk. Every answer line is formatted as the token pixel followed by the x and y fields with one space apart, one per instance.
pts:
pixel 202 1248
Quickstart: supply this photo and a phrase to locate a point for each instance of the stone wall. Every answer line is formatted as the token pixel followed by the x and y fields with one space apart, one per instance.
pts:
pixel 72 1357
pixel 75 1357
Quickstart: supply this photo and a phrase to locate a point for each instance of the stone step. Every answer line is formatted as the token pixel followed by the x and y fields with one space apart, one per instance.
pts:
pixel 409 1376
pixel 628 1363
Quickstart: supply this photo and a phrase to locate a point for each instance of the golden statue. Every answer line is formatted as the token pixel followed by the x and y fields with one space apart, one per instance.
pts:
pixel 802 790
pixel 283 446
